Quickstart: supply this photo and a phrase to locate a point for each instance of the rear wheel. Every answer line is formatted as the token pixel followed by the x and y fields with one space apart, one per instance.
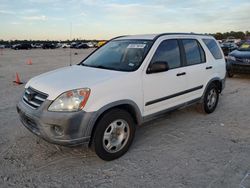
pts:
pixel 114 134
pixel 210 100
pixel 230 74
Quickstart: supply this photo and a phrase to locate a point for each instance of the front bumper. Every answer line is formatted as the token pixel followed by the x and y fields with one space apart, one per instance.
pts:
pixel 63 128
pixel 238 67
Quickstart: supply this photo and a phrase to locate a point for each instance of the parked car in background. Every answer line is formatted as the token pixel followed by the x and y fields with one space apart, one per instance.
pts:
pixel 58 45
pixel 228 47
pixel 82 46
pixel 37 45
pixel 127 82
pixel 95 44
pixel 7 46
pixel 232 40
pixel 65 45
pixel 90 44
pixel 2 46
pixel 13 46
pixel 24 46
pixel 49 46
pixel 241 42
pixel 100 43
pixel 74 44
pixel 238 61
pixel 219 41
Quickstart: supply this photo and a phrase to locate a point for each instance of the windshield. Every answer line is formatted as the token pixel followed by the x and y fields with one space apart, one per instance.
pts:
pixel 120 55
pixel 245 46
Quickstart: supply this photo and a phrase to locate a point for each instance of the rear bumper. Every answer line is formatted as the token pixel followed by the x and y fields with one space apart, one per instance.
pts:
pixel 63 128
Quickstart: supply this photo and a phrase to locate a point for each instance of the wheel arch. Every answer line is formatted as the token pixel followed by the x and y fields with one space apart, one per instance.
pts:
pixel 220 83
pixel 127 105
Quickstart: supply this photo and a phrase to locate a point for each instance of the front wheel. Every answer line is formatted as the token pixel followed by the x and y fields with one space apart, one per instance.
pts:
pixel 210 100
pixel 114 134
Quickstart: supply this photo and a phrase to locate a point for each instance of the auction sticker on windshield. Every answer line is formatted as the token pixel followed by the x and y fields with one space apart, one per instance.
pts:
pixel 136 46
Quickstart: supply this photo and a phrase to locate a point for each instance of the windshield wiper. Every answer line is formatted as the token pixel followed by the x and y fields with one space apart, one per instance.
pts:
pixel 86 65
pixel 102 67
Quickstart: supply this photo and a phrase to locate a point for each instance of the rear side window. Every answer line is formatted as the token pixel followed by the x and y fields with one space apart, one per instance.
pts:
pixel 194 52
pixel 213 48
pixel 169 52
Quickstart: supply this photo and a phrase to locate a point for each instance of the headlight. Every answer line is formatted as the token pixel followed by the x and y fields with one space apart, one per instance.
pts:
pixel 232 58
pixel 69 101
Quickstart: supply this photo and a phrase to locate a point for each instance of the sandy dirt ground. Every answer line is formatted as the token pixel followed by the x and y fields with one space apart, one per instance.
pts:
pixel 183 149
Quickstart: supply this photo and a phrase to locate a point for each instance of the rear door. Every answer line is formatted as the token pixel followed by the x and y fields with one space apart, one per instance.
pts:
pixel 195 67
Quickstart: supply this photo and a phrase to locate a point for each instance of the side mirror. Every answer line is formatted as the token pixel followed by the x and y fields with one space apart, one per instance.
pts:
pixel 158 66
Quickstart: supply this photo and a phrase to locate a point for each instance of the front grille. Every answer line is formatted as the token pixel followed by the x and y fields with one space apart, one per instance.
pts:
pixel 34 98
pixel 242 60
pixel 247 61
pixel 241 68
pixel 239 59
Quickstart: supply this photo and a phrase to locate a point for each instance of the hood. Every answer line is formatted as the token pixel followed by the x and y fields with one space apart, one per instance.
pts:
pixel 64 79
pixel 240 54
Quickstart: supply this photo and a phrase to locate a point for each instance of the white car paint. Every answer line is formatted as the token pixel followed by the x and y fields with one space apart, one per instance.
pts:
pixel 109 86
pixel 64 79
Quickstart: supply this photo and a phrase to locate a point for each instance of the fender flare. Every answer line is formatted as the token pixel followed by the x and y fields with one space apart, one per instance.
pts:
pixel 222 81
pixel 102 110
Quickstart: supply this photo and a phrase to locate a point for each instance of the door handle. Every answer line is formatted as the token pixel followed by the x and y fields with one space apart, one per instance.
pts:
pixel 181 74
pixel 210 67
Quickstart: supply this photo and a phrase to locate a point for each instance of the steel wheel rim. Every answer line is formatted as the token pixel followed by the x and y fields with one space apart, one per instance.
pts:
pixel 212 98
pixel 116 136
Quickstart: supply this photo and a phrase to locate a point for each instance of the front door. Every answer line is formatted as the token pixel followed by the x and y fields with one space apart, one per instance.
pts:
pixel 164 90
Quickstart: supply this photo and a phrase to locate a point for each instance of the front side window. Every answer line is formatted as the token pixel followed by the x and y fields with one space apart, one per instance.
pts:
pixel 168 51
pixel 120 55
pixel 213 48
pixel 194 53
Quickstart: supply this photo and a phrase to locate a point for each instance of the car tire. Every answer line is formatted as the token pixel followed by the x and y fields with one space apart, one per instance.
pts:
pixel 114 134
pixel 210 100
pixel 230 74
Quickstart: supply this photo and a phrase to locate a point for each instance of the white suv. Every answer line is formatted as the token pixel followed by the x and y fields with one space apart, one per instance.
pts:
pixel 126 82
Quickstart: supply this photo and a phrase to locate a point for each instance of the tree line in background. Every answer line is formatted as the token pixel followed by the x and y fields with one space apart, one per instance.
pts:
pixel 237 35
pixel 219 36
pixel 11 42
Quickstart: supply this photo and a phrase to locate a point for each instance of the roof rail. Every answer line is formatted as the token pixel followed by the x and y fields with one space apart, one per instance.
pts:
pixel 163 34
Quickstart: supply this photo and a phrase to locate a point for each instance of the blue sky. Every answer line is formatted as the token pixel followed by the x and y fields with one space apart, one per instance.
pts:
pixel 104 19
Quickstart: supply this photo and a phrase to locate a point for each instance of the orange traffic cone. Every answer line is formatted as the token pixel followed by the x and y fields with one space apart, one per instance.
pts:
pixel 29 62
pixel 17 81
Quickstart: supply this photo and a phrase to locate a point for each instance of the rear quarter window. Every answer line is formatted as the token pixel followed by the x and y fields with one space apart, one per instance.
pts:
pixel 213 48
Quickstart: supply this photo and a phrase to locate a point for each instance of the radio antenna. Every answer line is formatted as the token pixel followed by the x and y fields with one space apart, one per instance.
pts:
pixel 70 52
